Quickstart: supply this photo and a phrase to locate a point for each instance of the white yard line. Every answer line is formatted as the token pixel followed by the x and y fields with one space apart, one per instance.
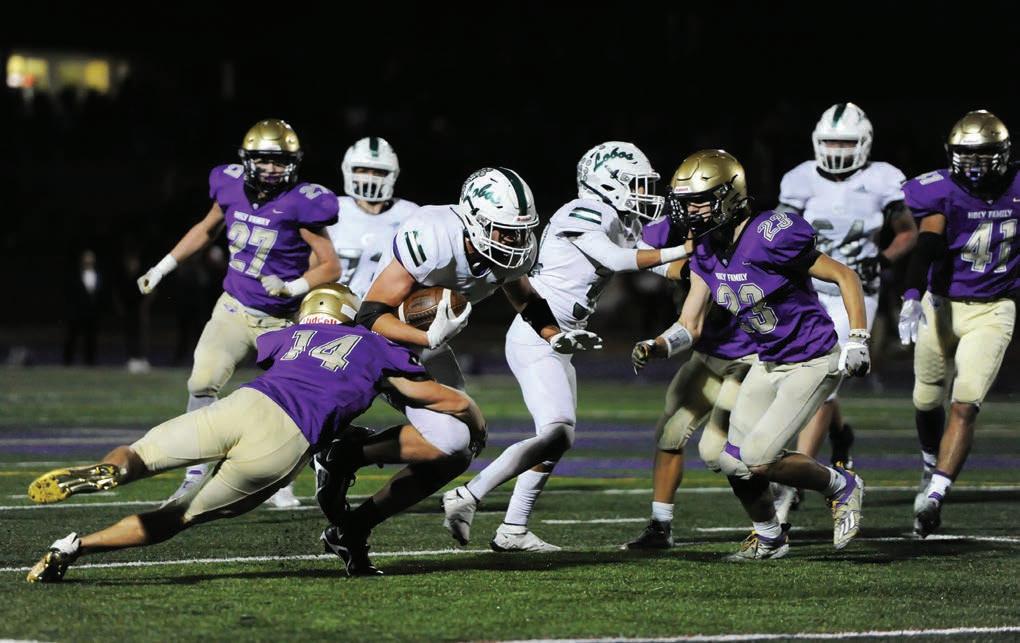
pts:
pixel 596 521
pixel 828 636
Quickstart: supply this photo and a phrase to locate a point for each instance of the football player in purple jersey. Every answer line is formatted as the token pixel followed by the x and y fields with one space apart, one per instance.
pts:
pixel 274 224
pixel 322 373
pixel 759 267
pixel 967 267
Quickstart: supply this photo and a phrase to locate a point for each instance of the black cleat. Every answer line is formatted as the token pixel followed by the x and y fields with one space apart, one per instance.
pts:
pixel 656 535
pixel 841 442
pixel 335 475
pixel 352 551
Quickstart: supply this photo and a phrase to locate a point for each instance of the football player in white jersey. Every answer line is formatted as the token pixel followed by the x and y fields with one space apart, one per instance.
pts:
pixel 484 243
pixel 369 213
pixel 585 242
pixel 847 198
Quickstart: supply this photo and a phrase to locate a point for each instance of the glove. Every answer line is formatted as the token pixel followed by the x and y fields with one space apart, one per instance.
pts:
pixel 642 352
pixel 911 316
pixel 445 326
pixel 854 358
pixel 277 287
pixel 156 273
pixel 575 341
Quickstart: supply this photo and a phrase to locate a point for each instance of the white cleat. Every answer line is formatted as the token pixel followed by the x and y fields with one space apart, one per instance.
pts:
pixel 519 538
pixel 922 491
pixel 459 505
pixel 284 498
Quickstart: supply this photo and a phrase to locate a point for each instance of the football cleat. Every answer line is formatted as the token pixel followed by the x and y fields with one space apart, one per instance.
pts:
pixel 922 492
pixel 928 518
pixel 846 509
pixel 284 498
pixel 459 505
pixel 658 534
pixel 758 547
pixel 841 441
pixel 61 484
pixel 352 551
pixel 193 478
pixel 519 538
pixel 784 500
pixel 334 475
pixel 54 563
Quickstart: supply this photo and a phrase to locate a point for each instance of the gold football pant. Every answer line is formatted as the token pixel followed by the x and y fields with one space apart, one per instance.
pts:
pixel 256 446
pixel 774 403
pixel 974 335
pixel 226 339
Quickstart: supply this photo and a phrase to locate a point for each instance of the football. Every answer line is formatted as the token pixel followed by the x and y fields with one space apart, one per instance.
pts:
pixel 419 309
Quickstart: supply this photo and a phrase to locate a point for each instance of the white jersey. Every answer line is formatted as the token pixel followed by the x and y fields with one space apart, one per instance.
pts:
pixel 568 279
pixel 430 246
pixel 360 239
pixel 843 211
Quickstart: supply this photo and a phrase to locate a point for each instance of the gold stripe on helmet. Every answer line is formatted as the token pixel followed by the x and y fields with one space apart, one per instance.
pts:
pixel 978 128
pixel 334 300
pixel 271 135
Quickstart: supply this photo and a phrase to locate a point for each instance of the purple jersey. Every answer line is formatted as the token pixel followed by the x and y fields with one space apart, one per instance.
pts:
pixel 762 279
pixel 983 261
pixel 323 376
pixel 721 335
pixel 264 237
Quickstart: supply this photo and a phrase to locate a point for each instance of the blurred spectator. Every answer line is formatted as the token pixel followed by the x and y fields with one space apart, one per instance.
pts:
pixel 84 294
pixel 197 285
pixel 133 309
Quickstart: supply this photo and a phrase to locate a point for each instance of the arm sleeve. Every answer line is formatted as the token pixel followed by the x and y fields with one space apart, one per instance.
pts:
pixel 321 208
pixel 931 247
pixel 268 345
pixel 598 246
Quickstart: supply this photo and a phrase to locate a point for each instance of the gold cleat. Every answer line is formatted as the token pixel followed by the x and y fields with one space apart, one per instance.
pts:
pixel 60 484
pixel 54 563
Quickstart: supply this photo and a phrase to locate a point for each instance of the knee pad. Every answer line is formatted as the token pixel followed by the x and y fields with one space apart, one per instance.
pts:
pixel 559 433
pixel 677 430
pixel 731 465
pixel 928 396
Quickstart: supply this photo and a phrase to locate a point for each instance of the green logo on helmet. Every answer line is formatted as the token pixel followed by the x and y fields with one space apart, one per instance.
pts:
pixel 615 153
pixel 483 192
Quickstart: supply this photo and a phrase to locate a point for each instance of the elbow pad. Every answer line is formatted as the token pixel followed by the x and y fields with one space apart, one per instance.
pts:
pixel 538 314
pixel 370 311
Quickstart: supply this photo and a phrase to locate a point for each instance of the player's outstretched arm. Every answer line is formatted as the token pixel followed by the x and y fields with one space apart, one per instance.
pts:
pixel 437 397
pixel 683 334
pixel 600 247
pixel 389 289
pixel 193 240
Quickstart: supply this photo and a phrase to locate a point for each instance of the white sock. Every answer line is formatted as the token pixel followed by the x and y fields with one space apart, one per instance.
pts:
pixel 515 459
pixel 662 511
pixel 929 459
pixel 769 528
pixel 529 485
pixel 939 486
pixel 836 483
pixel 196 402
pixel 197 470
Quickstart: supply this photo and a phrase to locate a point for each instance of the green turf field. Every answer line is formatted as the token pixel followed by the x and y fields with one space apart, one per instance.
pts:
pixel 263 576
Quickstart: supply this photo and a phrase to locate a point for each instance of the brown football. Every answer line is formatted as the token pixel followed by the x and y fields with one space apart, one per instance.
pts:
pixel 419 309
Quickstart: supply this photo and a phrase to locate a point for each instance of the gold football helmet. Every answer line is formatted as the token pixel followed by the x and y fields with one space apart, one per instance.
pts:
pixel 712 177
pixel 270 153
pixel 978 148
pixel 329 301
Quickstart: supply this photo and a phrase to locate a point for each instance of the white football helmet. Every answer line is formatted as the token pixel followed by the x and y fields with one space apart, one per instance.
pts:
pixel 620 175
pixel 498 210
pixel 842 122
pixel 372 153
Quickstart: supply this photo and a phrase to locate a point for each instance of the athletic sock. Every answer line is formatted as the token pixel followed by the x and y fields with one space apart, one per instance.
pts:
pixel 837 482
pixel 769 528
pixel 662 511
pixel 515 459
pixel 529 486
pixel 939 486
pixel 196 402
pixel 197 470
pixel 930 460
pixel 929 425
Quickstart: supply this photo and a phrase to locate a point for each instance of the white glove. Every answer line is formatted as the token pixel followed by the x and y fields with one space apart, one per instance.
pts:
pixel 911 316
pixel 277 287
pixel 574 341
pixel 641 353
pixel 156 273
pixel 854 358
pixel 445 326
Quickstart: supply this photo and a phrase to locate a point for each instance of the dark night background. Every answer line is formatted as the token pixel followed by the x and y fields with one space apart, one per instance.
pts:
pixel 453 87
